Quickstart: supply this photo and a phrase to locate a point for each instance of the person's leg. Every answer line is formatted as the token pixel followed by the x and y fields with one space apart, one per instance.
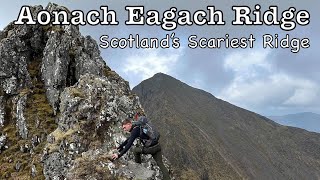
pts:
pixel 158 158
pixel 155 151
pixel 137 151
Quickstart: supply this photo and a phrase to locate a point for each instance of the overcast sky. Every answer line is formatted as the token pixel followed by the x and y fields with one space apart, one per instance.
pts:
pixel 266 81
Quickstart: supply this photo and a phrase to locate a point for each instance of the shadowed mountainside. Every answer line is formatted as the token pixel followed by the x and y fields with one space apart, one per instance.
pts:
pixel 207 138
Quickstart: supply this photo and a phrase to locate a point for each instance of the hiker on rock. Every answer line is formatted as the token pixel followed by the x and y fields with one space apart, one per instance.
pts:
pixel 149 136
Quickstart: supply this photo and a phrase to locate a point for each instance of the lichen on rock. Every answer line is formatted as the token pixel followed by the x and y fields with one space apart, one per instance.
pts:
pixel 2 111
pixel 61 107
pixel 91 112
pixel 67 56
pixel 3 141
pixel 21 120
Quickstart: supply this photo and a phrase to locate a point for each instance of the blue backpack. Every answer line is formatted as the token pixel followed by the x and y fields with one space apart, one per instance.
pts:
pixel 147 128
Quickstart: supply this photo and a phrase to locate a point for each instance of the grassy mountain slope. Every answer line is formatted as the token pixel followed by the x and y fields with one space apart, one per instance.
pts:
pixel 208 138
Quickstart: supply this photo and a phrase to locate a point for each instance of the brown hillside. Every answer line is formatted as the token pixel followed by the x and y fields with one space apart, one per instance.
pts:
pixel 213 139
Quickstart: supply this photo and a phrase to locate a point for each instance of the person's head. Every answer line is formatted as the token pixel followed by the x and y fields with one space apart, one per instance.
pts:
pixel 127 125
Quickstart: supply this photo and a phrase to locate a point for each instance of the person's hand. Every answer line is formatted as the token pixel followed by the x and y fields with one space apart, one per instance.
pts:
pixel 120 148
pixel 115 156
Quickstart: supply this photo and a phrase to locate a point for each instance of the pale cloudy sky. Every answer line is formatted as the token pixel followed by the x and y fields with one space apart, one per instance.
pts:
pixel 266 81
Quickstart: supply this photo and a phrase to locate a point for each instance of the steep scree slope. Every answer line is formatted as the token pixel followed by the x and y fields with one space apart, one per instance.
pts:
pixel 205 137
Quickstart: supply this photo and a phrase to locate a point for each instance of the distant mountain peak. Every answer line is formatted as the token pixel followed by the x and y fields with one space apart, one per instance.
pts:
pixel 305 113
pixel 306 120
pixel 160 74
pixel 207 138
pixel 163 77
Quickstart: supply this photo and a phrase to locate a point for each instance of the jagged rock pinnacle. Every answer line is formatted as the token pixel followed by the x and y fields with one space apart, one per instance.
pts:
pixel 62 105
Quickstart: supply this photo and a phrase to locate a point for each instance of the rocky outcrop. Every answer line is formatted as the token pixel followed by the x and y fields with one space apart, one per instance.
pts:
pixel 88 128
pixel 21 123
pixel 67 56
pixel 3 140
pixel 2 112
pixel 61 107
pixel 91 112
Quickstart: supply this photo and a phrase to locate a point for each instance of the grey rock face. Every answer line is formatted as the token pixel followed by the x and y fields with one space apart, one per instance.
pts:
pixel 88 58
pixel 35 141
pixel 10 85
pixel 55 166
pixel 56 65
pixel 21 121
pixel 18 166
pixel 33 170
pixel 67 56
pixel 100 105
pixel 3 141
pixel 137 171
pixel 95 106
pixel 18 45
pixel 2 35
pixel 2 111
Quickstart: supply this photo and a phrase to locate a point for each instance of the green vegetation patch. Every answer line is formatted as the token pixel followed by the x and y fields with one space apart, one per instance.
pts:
pixel 40 122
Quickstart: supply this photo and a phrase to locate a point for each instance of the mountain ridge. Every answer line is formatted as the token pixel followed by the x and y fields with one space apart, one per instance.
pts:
pixel 306 120
pixel 249 145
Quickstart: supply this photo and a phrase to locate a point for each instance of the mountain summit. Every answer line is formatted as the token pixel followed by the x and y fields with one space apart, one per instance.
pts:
pixel 207 138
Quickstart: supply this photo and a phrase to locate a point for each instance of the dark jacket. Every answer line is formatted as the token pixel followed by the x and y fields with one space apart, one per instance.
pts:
pixel 134 133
